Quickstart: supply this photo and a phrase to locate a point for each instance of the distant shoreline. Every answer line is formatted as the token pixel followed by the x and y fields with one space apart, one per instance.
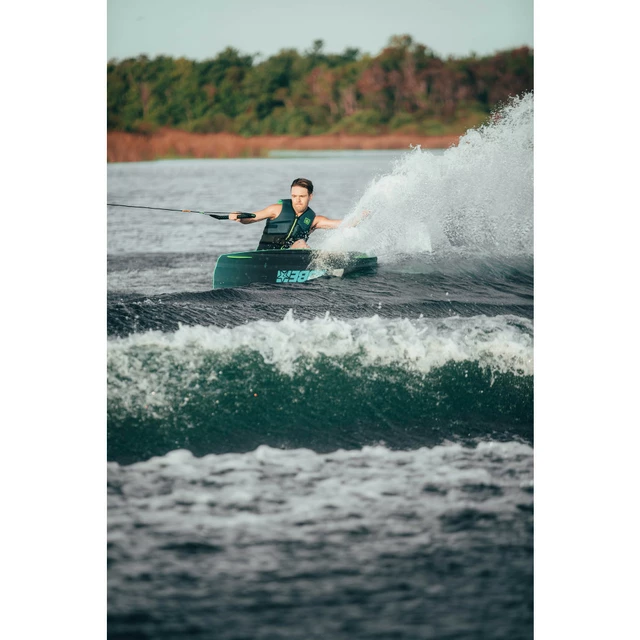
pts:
pixel 172 143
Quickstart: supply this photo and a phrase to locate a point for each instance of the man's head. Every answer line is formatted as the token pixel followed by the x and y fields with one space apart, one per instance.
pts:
pixel 301 194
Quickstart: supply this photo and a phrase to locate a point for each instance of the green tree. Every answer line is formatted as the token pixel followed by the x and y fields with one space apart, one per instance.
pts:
pixel 404 87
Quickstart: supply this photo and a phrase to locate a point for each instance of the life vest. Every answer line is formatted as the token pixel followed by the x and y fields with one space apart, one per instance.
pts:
pixel 282 232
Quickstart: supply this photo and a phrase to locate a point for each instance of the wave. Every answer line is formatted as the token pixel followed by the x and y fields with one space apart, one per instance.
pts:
pixel 323 384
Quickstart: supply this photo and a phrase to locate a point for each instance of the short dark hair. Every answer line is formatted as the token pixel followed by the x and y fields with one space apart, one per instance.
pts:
pixel 303 182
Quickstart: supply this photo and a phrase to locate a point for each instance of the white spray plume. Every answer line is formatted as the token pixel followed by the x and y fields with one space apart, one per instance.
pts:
pixel 477 197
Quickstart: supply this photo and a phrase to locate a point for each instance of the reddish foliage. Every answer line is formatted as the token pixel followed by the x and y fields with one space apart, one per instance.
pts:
pixel 130 147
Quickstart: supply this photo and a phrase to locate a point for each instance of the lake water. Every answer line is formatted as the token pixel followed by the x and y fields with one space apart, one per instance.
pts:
pixel 343 458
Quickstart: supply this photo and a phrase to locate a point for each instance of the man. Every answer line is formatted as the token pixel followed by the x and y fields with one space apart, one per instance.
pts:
pixel 290 222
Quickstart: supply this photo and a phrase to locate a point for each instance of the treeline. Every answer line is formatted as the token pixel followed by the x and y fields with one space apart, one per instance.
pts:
pixel 406 88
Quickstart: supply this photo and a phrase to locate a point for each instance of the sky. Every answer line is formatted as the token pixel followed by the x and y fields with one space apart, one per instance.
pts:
pixel 200 29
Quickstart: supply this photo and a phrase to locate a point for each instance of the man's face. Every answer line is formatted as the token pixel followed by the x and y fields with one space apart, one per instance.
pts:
pixel 300 199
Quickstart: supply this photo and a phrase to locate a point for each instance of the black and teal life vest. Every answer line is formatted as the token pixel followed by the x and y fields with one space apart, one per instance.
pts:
pixel 282 232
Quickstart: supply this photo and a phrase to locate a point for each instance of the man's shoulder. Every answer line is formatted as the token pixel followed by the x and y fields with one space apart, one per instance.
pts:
pixel 275 209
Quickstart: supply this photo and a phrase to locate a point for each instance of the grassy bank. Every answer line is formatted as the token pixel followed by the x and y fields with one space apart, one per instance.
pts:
pixel 170 143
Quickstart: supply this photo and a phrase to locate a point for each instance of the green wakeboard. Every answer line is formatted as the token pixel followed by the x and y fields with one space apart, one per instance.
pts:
pixel 286 266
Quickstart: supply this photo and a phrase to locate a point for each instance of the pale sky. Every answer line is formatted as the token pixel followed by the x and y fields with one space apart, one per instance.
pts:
pixel 200 29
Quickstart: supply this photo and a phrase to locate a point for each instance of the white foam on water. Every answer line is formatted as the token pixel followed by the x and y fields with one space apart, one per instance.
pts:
pixel 478 196
pixel 142 366
pixel 192 538
pixel 270 495
pixel 502 343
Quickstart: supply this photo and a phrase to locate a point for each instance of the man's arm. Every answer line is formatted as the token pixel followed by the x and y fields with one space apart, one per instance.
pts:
pixel 320 222
pixel 270 212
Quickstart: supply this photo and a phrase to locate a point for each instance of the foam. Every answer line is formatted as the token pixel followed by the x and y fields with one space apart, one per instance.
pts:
pixel 287 486
pixel 502 343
